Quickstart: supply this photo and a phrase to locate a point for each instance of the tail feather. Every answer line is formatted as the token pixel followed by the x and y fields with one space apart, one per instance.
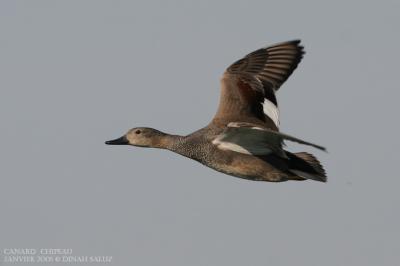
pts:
pixel 307 166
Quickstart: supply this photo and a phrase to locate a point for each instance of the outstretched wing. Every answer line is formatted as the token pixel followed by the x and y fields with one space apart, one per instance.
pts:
pixel 249 138
pixel 248 86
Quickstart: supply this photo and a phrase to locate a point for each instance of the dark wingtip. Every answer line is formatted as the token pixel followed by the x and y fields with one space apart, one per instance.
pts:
pixel 322 148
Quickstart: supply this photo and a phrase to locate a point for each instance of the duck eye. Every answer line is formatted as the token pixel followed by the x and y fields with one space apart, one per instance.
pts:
pixel 138 131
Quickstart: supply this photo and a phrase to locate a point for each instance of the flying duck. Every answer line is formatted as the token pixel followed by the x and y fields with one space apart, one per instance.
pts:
pixel 243 138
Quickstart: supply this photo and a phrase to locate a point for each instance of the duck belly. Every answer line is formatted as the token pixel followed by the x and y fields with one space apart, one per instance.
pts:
pixel 251 168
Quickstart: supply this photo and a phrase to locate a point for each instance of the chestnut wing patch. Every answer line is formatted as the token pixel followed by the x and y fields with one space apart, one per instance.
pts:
pixel 252 96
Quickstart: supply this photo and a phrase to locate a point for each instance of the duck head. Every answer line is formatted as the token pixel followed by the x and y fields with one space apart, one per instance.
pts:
pixel 140 136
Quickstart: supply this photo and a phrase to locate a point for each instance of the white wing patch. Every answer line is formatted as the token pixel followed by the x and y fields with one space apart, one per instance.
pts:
pixel 272 111
pixel 225 145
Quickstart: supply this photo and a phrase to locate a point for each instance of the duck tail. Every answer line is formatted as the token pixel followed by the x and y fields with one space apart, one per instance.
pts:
pixel 305 165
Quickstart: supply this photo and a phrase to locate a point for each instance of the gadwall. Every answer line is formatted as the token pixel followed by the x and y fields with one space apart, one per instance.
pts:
pixel 243 139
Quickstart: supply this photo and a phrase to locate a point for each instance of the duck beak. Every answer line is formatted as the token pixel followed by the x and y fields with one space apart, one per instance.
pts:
pixel 120 141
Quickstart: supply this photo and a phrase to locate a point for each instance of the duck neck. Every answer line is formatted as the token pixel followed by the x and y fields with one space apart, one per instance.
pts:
pixel 177 144
pixel 168 141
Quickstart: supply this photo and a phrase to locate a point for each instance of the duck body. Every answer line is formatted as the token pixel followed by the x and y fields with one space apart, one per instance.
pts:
pixel 198 146
pixel 243 138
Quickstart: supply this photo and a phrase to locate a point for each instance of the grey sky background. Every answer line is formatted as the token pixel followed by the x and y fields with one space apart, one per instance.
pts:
pixel 76 73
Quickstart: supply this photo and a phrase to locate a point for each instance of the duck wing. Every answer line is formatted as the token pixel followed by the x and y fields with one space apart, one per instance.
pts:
pixel 248 86
pixel 252 139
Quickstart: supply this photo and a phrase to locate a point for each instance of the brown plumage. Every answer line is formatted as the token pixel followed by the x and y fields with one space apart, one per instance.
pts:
pixel 243 138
